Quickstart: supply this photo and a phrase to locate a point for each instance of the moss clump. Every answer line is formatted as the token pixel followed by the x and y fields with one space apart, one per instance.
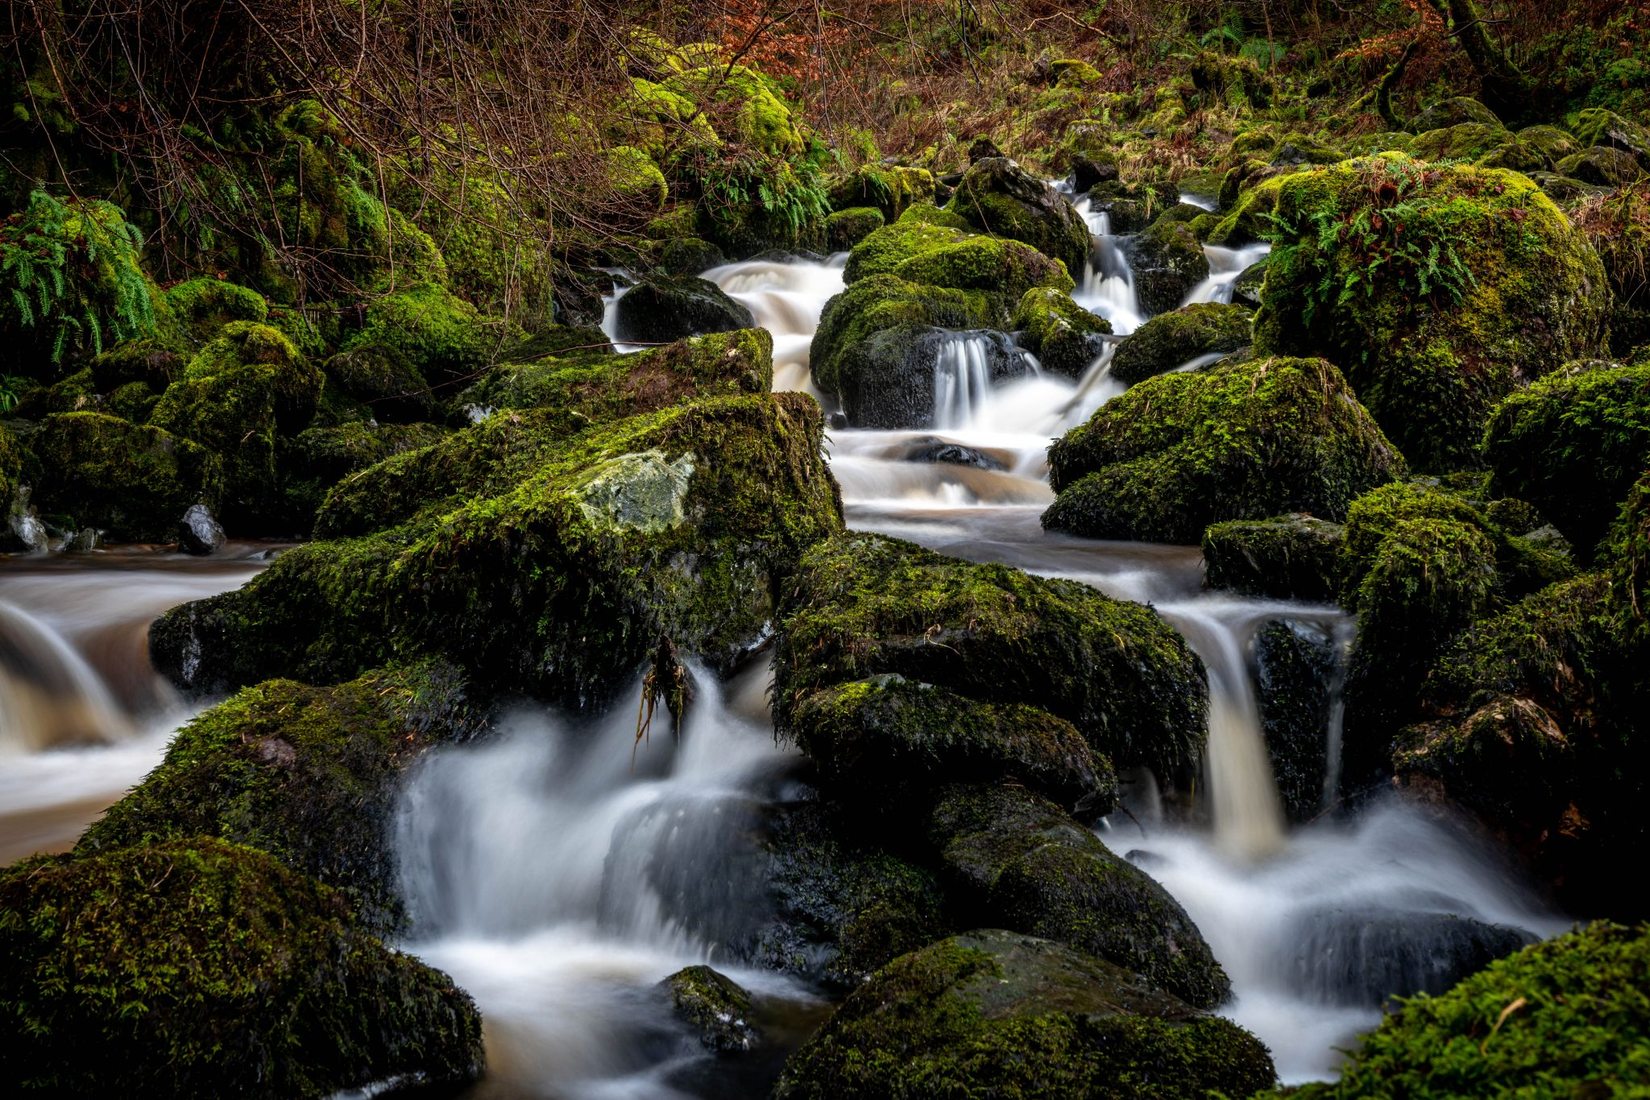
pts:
pixel 151 361
pixel 943 256
pixel 197 968
pixel 1236 441
pixel 1058 331
pixel 1293 557
pixel 1015 860
pixel 1465 141
pixel 238 396
pixel 846 228
pixel 714 1007
pixel 432 331
pixel 131 481
pixel 890 190
pixel 1456 111
pixel 881 740
pixel 320 458
pixel 568 393
pixel 1601 167
pixel 634 180
pixel 1572 445
pixel 997 196
pixel 203 306
pixel 1485 287
pixel 996 1013
pixel 1561 1018
pixel 864 605
pixel 676 525
pixel 309 775
pixel 1171 339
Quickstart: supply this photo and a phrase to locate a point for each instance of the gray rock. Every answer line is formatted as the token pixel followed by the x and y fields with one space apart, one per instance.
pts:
pixel 198 532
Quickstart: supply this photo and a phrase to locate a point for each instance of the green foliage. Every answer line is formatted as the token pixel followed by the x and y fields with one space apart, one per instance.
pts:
pixel 73 279
pixel 750 194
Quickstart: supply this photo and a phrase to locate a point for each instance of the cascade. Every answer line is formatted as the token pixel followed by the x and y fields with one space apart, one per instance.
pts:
pixel 1107 287
pixel 1225 265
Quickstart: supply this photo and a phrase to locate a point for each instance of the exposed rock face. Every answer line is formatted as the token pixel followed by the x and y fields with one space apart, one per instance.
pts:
pixel 198 532
pixel 664 308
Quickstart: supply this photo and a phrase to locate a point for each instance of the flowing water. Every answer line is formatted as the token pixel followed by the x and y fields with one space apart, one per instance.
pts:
pixel 559 869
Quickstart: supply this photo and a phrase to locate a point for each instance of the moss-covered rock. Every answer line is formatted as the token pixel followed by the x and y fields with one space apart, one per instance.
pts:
pixel 1236 441
pixel 1015 860
pixel 863 605
pixel 881 740
pixel 1599 126
pixel 1295 674
pixel 662 308
pixel 204 305
pixel 319 458
pixel 195 968
pixel 848 227
pixel 714 1007
pixel 309 775
pixel 237 397
pixel 1572 445
pixel 1293 557
pixel 997 196
pixel 386 384
pixel 130 481
pixel 1466 141
pixel 675 525
pixel 1168 261
pixel 1601 166
pixel 153 362
pixel 432 331
pixel 929 247
pixel 567 394
pixel 1058 331
pixel 1631 574
pixel 1486 287
pixel 1569 1013
pixel 994 1013
pixel 689 256
pixel 1171 339
pixel 889 189
pixel 1455 111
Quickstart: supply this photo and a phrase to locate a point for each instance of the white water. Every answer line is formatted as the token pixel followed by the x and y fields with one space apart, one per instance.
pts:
pixel 1107 286
pixel 962 378
pixel 1225 265
pixel 786 299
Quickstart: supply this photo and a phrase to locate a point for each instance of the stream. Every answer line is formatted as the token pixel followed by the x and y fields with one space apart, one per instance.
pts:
pixel 558 870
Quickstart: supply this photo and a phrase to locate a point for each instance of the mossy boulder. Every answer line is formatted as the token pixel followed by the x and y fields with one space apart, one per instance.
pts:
pixel 1168 261
pixel 386 384
pixel 689 256
pixel 432 331
pixel 1236 441
pixel 1061 333
pixel 663 308
pixel 1578 1027
pixel 1601 166
pixel 888 189
pixel 566 394
pixel 131 481
pixel 714 1007
pixel 202 306
pixel 675 525
pixel 319 458
pixel 882 740
pixel 150 362
pixel 1170 339
pixel 1455 111
pixel 999 197
pixel 1467 141
pixel 1292 557
pixel 846 228
pixel 1598 126
pixel 996 1013
pixel 1572 445
pixel 928 247
pixel 196 967
pixel 1486 288
pixel 1296 665
pixel 1014 860
pixel 309 775
pixel 864 605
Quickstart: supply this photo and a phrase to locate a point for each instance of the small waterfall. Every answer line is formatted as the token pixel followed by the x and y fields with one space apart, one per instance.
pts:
pixel 1225 265
pixel 962 378
pixel 786 298
pixel 1202 202
pixel 49 695
pixel 1345 632
pixel 1107 286
pixel 622 282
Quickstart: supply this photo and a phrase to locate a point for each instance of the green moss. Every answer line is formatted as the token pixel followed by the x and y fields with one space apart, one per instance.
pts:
pixel 1058 331
pixel 433 332
pixel 847 227
pixel 197 967
pixel 1166 341
pixel 884 739
pixel 319 458
pixel 1631 575
pixel 889 189
pixel 1168 261
pixel 1572 445
pixel 750 107
pixel 204 305
pixel 996 196
pixel 1236 441
pixel 714 1006
pixel 992 1013
pixel 689 255
pixel 1456 111
pixel 1562 1018
pixel 635 180
pixel 388 388
pixel 1486 287
pixel 1464 141
pixel 864 605
pixel 133 482
pixel 678 524
pixel 153 362
pixel 1294 557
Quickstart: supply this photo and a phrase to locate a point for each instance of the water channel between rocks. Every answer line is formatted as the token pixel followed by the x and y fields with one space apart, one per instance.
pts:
pixel 557 870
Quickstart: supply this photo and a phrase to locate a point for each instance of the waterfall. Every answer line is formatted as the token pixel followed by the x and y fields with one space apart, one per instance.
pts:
pixel 786 298
pixel 1225 265
pixel 49 695
pixel 962 378
pixel 1107 287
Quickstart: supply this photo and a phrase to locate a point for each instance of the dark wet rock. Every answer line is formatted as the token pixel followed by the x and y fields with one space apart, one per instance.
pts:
pixel 1292 557
pixel 1015 860
pixel 1297 665
pixel 999 197
pixel 1172 339
pixel 714 1007
pixel 1020 1016
pixel 664 308
pixel 1366 956
pixel 982 148
pixel 198 532
pixel 1168 261
pixel 689 256
pixel 82 541
pixel 889 378
pixel 951 454
pixel 200 968
pixel 1086 173
pixel 1246 289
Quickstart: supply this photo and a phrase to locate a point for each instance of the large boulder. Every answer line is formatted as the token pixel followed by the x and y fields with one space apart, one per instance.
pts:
pixel 1172 339
pixel 674 526
pixel 1437 289
pixel 662 308
pixel 864 605
pixel 999 197
pixel 309 775
pixel 1168 261
pixel 432 332
pixel 1293 557
pixel 1457 111
pixel 1368 956
pixel 1063 335
pixel 1598 126
pixel 1572 445
pixel 131 481
pixel 999 1014
pixel 1240 440
pixel 1016 860
pixel 199 968
pixel 1570 1010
